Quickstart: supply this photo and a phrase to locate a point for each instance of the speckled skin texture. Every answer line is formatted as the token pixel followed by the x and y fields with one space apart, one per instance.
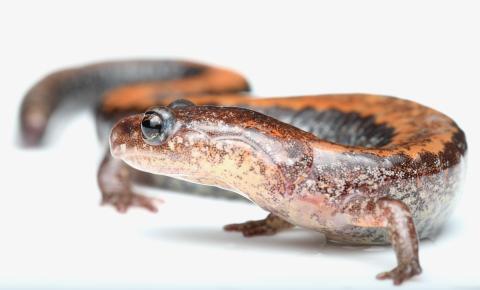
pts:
pixel 395 190
pixel 362 169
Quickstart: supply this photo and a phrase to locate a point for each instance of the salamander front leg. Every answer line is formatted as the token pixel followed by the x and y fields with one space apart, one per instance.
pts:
pixel 268 226
pixel 114 180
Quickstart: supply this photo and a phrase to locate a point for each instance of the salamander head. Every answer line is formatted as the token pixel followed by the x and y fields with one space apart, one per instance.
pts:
pixel 210 145
pixel 156 141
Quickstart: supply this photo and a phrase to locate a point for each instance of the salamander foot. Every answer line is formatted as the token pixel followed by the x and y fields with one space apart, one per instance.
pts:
pixel 114 180
pixel 122 202
pixel 268 226
pixel 402 272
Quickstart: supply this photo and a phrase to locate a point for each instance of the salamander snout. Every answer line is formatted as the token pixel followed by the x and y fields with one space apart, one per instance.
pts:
pixel 125 135
pixel 143 131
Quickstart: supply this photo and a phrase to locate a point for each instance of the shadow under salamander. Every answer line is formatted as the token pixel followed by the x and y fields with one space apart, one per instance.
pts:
pixel 296 241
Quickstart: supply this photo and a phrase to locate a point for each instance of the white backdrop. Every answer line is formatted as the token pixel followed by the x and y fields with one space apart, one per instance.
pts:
pixel 53 234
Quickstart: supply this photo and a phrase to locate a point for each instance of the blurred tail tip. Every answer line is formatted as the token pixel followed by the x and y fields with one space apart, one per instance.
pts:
pixel 31 137
pixel 33 123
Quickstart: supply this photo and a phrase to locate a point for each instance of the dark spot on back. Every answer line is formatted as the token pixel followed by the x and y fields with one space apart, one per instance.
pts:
pixel 336 126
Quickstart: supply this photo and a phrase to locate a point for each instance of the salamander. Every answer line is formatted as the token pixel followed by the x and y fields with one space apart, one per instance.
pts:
pixel 362 169
pixel 93 85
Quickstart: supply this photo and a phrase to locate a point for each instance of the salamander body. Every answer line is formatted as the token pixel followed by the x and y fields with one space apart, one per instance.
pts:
pixel 362 169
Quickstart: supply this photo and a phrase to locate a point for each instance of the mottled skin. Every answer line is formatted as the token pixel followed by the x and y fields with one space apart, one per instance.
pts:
pixel 362 169
pixel 396 192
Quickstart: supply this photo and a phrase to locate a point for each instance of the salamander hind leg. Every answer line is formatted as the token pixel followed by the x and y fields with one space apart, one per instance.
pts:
pixel 268 226
pixel 115 183
pixel 403 237
pixel 396 217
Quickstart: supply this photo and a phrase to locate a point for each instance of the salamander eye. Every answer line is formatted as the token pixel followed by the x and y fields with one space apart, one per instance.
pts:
pixel 180 103
pixel 157 124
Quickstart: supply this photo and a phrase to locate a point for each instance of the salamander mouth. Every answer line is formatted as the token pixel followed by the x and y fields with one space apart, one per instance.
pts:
pixel 345 128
